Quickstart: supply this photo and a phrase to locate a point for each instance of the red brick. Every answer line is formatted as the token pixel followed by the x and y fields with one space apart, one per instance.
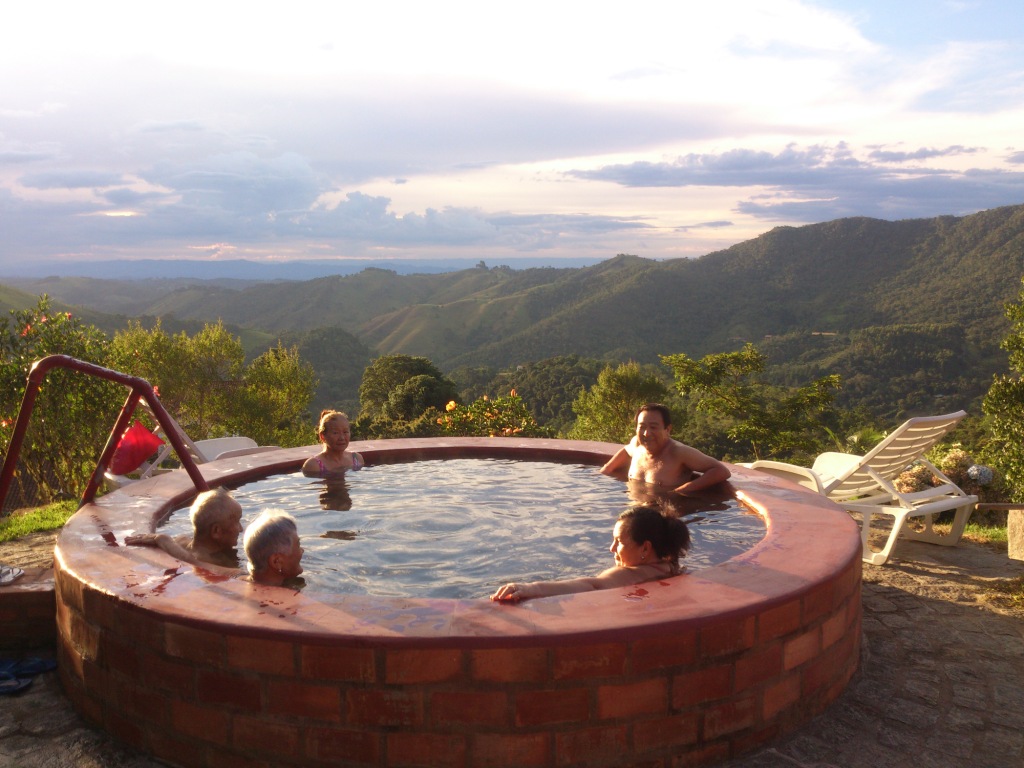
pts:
pixel 779 696
pixel 830 665
pixel 204 724
pixel 168 674
pixel 510 665
pixel 778 621
pixel 802 649
pixel 173 750
pixel 695 688
pixel 582 661
pixel 259 736
pixel 144 703
pixel 350 664
pixel 229 758
pixel 663 652
pixel 672 731
pixel 744 742
pixel 512 750
pixel 457 708
pixel 757 667
pixel 647 697
pixel 119 657
pixel 708 755
pixel 727 637
pixel 385 707
pixel 195 645
pixel 730 717
pixel 318 702
pixel 124 729
pixel 590 745
pixel 97 681
pixel 426 750
pixel 543 707
pixel 215 688
pixel 274 657
pixel 68 589
pixel 834 628
pixel 70 664
pixel 819 603
pixel 338 745
pixel 139 628
pixel 82 635
pixel 90 707
pixel 422 666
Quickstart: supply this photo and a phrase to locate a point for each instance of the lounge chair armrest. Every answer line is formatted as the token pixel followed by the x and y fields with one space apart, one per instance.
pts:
pixel 808 478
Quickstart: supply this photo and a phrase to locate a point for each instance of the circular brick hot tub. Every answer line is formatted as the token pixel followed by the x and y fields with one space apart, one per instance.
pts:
pixel 199 670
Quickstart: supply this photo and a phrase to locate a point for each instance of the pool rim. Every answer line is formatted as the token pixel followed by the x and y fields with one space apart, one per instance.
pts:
pixel 783 571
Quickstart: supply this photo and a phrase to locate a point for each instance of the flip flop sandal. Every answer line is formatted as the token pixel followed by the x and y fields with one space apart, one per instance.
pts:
pixel 28 667
pixel 9 574
pixel 10 684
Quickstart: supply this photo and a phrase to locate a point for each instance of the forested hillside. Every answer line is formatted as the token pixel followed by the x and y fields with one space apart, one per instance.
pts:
pixel 909 312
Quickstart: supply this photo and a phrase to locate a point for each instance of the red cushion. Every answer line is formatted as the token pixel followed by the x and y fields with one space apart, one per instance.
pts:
pixel 137 444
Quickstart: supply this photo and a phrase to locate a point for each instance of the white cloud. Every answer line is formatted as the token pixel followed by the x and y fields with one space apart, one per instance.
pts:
pixel 327 128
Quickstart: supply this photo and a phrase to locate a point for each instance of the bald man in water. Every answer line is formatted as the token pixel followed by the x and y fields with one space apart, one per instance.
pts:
pixel 216 525
pixel 653 457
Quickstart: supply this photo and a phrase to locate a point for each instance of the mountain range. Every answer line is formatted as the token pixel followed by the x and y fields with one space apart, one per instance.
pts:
pixel 819 298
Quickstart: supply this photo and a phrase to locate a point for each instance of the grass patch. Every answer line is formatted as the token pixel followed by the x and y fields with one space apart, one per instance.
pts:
pixel 991 536
pixel 23 522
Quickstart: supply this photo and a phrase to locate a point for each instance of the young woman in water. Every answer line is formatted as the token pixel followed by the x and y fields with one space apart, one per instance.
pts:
pixel 334 459
pixel 646 545
pixel 271 545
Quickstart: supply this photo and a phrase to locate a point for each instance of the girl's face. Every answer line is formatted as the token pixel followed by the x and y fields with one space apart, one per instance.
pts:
pixel 626 551
pixel 336 434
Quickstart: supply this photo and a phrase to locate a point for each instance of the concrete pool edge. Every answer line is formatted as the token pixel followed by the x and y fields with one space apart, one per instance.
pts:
pixel 733 656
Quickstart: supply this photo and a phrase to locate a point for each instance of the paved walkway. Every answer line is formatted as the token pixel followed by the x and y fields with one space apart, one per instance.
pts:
pixel 941 683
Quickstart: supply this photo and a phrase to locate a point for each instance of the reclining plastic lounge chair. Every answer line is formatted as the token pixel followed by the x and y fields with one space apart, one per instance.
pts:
pixel 202 451
pixel 865 484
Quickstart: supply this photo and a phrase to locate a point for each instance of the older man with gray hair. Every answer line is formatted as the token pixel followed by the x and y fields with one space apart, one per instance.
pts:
pixel 216 524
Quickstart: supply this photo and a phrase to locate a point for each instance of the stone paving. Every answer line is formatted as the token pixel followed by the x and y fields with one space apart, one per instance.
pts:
pixel 941 683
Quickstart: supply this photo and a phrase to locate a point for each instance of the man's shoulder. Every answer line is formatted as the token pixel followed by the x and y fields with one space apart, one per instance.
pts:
pixel 680 450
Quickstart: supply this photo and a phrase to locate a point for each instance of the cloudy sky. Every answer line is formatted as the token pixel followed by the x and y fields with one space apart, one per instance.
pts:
pixel 494 130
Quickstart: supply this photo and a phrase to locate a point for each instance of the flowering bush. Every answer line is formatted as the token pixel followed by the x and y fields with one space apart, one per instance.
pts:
pixel 958 466
pixel 72 414
pixel 501 417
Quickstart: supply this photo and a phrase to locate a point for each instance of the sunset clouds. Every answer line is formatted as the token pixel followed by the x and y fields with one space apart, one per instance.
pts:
pixel 315 130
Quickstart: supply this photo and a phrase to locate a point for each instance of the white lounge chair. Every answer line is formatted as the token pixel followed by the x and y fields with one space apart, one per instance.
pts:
pixel 866 484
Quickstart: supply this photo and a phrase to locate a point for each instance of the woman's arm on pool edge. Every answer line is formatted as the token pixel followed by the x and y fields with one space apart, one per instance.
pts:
pixel 613 577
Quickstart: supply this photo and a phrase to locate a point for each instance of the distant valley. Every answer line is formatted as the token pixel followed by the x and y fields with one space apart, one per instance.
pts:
pixel 909 312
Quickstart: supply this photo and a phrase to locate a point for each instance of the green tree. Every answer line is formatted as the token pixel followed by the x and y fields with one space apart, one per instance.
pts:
pixel 273 405
pixel 772 421
pixel 73 413
pixel 156 356
pixel 1004 407
pixel 386 374
pixel 413 396
pixel 607 411
pixel 216 361
pixel 550 386
pixel 198 376
pixel 339 359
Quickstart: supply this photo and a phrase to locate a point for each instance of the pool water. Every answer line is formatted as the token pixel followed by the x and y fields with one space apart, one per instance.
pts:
pixel 459 528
